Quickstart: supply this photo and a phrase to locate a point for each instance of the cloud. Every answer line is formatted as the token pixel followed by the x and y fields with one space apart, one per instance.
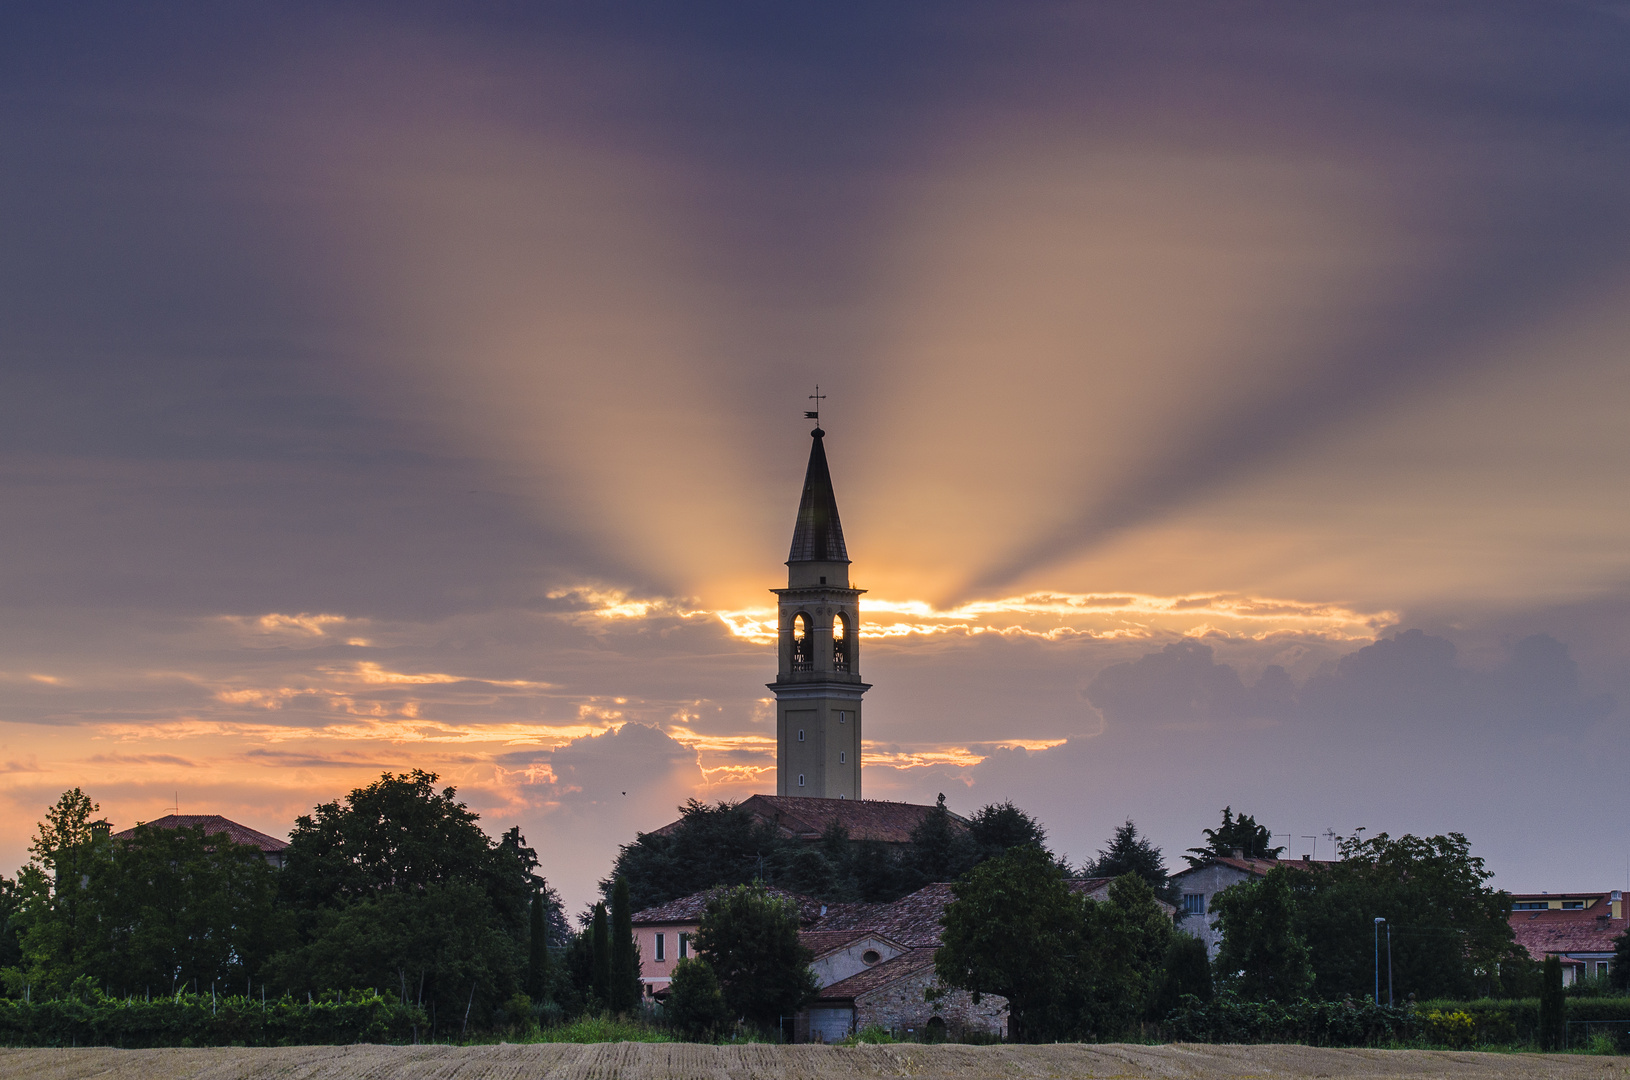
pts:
pixel 1407 681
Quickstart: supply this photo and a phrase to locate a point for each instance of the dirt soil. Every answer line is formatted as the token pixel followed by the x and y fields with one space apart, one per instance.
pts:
pixel 682 1061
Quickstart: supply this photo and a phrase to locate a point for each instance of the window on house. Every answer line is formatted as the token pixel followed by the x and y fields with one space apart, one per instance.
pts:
pixel 800 779
pixel 684 945
pixel 870 956
pixel 659 947
pixel 1194 903
pixel 840 643
pixel 1573 905
pixel 803 649
pixel 1528 905
pixel 1601 969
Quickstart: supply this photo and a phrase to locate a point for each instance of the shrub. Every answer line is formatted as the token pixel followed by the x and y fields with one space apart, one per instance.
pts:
pixel 696 1007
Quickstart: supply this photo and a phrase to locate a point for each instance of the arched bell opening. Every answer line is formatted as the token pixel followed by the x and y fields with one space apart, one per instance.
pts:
pixel 803 644
pixel 840 643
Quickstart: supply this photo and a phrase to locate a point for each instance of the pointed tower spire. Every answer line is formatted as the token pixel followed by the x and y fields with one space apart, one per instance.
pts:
pixel 818 536
pixel 817 685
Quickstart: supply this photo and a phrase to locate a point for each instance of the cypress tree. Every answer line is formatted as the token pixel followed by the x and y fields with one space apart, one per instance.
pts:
pixel 625 961
pixel 537 963
pixel 600 964
pixel 1553 1004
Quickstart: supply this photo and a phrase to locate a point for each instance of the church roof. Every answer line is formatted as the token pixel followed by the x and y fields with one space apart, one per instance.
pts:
pixel 800 817
pixel 818 536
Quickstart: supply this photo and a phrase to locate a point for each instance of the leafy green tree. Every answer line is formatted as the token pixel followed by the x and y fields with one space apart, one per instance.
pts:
pixel 1241 834
pixel 625 958
pixel 1618 971
pixel 1187 970
pixel 601 970
pixel 1451 931
pixel 1129 853
pixel 1000 827
pixel 177 907
pixel 750 939
pixel 397 885
pixel 11 909
pixel 1016 930
pixel 1263 957
pixel 1127 937
pixel 1553 1006
pixel 538 975
pixel 55 912
pixel 941 849
pixel 696 1006
pixel 709 846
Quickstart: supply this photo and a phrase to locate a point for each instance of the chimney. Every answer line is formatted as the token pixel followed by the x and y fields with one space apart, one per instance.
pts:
pixel 1618 904
pixel 1239 853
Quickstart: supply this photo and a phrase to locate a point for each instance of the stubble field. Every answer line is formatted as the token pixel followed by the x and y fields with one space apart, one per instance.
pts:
pixel 680 1061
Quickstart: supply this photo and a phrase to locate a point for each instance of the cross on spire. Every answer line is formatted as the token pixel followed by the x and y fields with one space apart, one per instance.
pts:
pixel 817 397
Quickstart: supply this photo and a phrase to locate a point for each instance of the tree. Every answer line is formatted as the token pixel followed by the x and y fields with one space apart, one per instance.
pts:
pixel 538 976
pixel 397 885
pixel 1618 971
pixel 601 971
pixel 1553 1005
pixel 941 849
pixel 1451 931
pixel 624 996
pixel 1263 957
pixel 709 846
pixel 696 1007
pixel 11 906
pixel 1128 936
pixel 1187 970
pixel 177 907
pixel 1000 827
pixel 1241 834
pixel 750 939
pixel 1129 853
pixel 55 914
pixel 1016 930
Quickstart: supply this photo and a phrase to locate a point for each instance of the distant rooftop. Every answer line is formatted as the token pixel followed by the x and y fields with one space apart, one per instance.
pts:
pixel 213 824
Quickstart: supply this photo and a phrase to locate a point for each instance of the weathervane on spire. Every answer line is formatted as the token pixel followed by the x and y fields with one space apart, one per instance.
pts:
pixel 817 397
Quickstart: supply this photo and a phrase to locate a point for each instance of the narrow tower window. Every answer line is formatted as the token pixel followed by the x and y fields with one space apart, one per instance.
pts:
pixel 843 756
pixel 840 643
pixel 800 779
pixel 803 655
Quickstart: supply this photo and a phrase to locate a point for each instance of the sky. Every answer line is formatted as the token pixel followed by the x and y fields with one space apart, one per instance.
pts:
pixel 1227 406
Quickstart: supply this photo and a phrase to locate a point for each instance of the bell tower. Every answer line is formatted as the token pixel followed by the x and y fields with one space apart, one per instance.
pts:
pixel 818 688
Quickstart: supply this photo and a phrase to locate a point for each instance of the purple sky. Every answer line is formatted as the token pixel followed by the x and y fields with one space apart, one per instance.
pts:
pixel 1228 405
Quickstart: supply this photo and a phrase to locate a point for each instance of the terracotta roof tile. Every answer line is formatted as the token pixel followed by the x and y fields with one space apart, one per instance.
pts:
pixel 873 978
pixel 1554 931
pixel 866 819
pixel 689 909
pixel 213 824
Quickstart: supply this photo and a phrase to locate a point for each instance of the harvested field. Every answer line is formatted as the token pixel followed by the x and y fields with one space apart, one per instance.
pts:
pixel 681 1061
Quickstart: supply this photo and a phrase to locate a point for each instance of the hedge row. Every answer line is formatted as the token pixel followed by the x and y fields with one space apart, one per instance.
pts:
pixel 1489 1022
pixel 201 1020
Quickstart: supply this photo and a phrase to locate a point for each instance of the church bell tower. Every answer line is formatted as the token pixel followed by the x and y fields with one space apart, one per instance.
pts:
pixel 818 687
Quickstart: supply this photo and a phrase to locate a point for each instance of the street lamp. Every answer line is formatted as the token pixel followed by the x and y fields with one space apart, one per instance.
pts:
pixel 1378 921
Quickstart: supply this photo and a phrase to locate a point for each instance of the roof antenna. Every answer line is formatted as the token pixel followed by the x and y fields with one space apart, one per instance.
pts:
pixel 176 809
pixel 817 397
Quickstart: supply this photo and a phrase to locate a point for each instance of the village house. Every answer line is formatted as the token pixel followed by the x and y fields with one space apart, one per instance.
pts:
pixel 271 848
pixel 1578 928
pixel 874 963
pixel 1199 884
